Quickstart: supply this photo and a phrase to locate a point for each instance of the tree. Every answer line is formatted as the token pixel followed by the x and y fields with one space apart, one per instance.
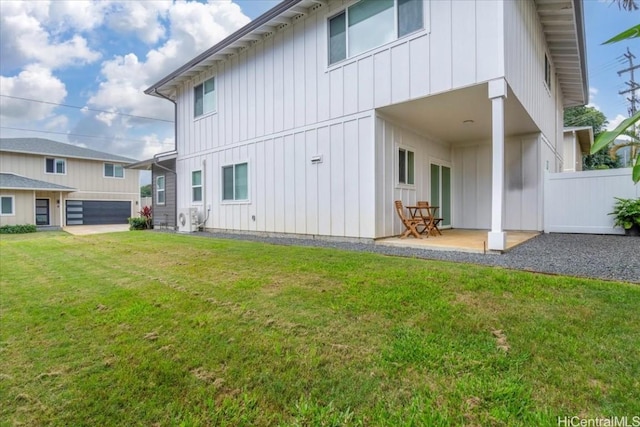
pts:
pixel 145 190
pixel 589 116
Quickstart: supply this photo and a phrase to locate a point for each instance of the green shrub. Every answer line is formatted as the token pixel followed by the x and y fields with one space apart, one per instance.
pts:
pixel 137 223
pixel 626 212
pixel 18 229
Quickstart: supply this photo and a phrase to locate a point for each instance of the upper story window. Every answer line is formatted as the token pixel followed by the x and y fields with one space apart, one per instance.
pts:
pixel 160 195
pixel 6 205
pixel 196 186
pixel 372 23
pixel 406 167
pixel 547 72
pixel 204 96
pixel 58 166
pixel 112 170
pixel 235 182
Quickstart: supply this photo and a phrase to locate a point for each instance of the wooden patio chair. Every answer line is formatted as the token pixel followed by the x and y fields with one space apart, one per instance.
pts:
pixel 428 215
pixel 412 225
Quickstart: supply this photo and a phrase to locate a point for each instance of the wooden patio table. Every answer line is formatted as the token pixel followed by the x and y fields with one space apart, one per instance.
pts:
pixel 416 212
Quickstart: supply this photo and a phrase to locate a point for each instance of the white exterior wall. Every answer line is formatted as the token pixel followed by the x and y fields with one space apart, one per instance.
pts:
pixel 23 208
pixel 287 193
pixel 572 155
pixel 389 137
pixel 278 102
pixel 525 49
pixel 471 185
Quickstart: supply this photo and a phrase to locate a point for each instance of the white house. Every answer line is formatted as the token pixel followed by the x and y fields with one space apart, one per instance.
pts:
pixel 316 116
pixel 577 141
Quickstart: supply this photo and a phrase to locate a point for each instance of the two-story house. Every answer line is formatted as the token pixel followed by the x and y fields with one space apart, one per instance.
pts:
pixel 316 116
pixel 49 183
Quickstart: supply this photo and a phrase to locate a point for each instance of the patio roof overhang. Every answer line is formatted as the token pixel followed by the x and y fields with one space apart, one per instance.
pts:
pixel 584 136
pixel 563 26
pixel 460 116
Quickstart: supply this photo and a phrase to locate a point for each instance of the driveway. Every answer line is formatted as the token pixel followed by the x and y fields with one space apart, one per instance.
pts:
pixel 84 230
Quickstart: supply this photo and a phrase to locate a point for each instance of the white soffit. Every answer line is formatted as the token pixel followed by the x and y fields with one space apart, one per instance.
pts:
pixel 563 26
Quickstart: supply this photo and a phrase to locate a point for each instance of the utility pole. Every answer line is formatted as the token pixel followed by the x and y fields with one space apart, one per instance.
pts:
pixel 633 86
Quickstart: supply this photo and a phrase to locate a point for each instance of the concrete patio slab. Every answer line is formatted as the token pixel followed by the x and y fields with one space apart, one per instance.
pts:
pixel 460 240
pixel 84 230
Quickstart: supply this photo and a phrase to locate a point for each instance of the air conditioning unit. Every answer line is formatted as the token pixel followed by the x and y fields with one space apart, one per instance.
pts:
pixel 188 220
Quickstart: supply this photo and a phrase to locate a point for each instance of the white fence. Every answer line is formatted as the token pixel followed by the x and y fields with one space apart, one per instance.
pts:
pixel 579 202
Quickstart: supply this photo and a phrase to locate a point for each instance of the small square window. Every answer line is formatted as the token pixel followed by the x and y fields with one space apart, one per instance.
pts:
pixel 235 182
pixel 56 166
pixel 113 170
pixel 6 205
pixel 204 97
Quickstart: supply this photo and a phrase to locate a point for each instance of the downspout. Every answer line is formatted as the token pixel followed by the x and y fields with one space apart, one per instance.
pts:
pixel 175 144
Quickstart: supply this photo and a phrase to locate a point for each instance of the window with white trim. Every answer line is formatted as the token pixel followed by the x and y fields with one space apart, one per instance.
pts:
pixel 160 195
pixel 7 205
pixel 547 72
pixel 204 97
pixel 406 167
pixel 57 166
pixel 196 186
pixel 235 182
pixel 372 23
pixel 113 170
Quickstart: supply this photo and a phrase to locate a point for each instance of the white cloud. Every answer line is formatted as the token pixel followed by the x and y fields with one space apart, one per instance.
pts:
pixel 35 82
pixel 141 18
pixel 25 39
pixel 613 123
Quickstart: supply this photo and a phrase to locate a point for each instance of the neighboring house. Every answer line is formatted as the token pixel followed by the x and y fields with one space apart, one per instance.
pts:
pixel 48 183
pixel 316 116
pixel 163 187
pixel 577 142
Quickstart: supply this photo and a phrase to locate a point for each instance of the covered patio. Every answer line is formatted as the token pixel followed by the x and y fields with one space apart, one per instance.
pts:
pixel 459 240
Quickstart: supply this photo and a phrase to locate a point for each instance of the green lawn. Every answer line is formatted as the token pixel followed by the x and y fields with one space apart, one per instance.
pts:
pixel 144 328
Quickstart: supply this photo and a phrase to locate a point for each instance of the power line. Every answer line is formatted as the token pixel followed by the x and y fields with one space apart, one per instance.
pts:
pixel 74 134
pixel 85 108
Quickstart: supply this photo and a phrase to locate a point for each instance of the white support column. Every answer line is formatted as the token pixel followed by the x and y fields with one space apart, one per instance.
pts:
pixel 61 211
pixel 497 93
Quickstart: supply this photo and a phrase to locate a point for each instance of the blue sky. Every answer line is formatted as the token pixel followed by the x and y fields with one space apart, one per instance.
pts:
pixel 90 59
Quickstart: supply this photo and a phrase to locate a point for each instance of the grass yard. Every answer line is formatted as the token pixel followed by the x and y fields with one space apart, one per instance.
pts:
pixel 154 329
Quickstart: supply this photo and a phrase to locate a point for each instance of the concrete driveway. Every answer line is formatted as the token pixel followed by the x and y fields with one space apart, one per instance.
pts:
pixel 84 230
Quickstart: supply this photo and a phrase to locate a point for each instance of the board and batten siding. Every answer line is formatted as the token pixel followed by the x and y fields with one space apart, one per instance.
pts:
pixel 23 208
pixel 287 193
pixel 283 82
pixel 525 49
pixel 278 102
pixel 390 136
pixel 471 185
pixel 164 215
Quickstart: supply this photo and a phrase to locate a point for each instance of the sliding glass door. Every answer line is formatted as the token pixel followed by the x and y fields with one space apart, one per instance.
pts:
pixel 441 191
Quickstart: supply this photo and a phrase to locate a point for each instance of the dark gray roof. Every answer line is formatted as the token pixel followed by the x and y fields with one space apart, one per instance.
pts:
pixel 9 181
pixel 53 148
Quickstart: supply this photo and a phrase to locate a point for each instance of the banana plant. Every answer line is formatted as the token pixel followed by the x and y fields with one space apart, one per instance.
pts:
pixel 606 138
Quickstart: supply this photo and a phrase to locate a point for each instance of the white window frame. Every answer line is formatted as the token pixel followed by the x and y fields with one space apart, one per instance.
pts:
pixel 104 170
pixel 202 85
pixel 234 200
pixel 425 27
pixel 407 150
pixel 193 187
pixel 55 166
pixel 13 205
pixel 161 190
pixel 547 72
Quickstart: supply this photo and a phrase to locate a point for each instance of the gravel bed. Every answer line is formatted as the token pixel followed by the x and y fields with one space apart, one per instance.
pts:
pixel 608 257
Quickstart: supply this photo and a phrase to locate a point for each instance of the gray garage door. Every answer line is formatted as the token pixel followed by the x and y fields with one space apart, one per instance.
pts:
pixel 92 212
